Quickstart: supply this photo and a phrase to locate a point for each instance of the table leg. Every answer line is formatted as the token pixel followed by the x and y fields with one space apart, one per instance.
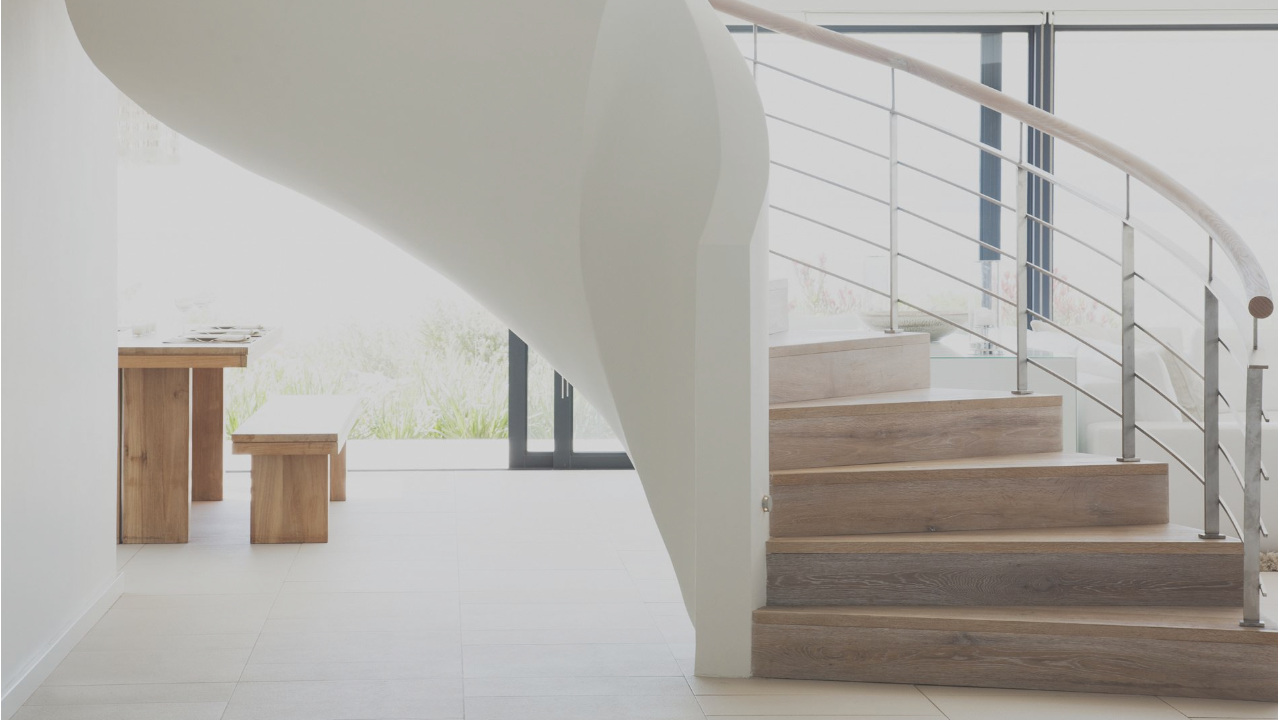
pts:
pixel 154 432
pixel 206 434
pixel 337 475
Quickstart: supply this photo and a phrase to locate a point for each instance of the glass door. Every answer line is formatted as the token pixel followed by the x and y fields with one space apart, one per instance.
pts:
pixel 551 425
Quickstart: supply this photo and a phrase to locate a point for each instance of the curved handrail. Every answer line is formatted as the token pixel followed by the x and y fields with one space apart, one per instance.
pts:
pixel 1260 303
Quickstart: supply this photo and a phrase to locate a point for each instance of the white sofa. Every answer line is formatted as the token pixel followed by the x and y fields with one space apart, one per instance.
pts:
pixel 1099 430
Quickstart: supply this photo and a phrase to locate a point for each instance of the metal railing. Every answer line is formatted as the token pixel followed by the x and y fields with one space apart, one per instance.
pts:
pixel 1222 239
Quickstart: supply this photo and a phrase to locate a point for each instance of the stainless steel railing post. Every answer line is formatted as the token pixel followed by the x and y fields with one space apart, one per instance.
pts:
pixel 1211 410
pixel 1129 336
pixel 1251 497
pixel 1022 282
pixel 893 215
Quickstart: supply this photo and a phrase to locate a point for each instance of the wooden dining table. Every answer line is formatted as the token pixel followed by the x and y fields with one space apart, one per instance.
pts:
pixel 171 429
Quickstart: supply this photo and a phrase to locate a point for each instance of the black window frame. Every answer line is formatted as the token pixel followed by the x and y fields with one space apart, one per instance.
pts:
pixel 565 456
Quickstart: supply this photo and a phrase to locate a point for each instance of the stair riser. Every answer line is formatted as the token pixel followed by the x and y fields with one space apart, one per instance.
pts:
pixel 993 579
pixel 902 506
pixel 801 442
pixel 1009 660
pixel 849 372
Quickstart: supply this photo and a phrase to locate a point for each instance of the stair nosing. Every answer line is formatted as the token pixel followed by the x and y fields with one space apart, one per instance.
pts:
pixel 1011 541
pixel 1031 620
pixel 984 467
pixel 908 401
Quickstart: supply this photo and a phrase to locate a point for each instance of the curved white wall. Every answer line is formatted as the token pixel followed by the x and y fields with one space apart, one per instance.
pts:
pixel 592 171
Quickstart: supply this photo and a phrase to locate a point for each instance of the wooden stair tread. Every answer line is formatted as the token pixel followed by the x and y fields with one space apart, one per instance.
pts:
pixel 1048 464
pixel 1202 624
pixel 1098 539
pixel 807 342
pixel 929 399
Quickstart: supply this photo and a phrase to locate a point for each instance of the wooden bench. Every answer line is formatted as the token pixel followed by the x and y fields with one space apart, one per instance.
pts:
pixel 298 444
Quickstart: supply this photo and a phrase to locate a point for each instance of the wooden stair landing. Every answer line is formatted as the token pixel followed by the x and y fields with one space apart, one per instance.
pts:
pixel 1037 490
pixel 911 425
pixel 1175 651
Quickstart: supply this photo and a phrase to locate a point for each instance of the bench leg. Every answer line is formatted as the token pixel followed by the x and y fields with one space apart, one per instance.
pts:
pixel 337 475
pixel 289 499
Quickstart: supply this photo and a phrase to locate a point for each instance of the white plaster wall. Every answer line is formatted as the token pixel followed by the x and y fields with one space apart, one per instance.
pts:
pixel 59 417
pixel 592 171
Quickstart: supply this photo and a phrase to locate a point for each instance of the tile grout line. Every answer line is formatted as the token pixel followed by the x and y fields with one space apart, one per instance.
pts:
pixel 1173 707
pixel 260 630
pixel 930 700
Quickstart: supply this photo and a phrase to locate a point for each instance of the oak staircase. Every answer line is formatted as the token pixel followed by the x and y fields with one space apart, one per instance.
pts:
pixel 936 536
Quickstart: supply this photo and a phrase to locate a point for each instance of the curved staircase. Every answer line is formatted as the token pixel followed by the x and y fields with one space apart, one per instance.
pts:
pixel 937 536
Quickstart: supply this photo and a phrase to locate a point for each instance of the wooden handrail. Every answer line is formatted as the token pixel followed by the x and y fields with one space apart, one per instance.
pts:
pixel 1260 303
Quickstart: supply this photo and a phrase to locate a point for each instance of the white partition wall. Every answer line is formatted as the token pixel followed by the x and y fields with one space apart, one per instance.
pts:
pixel 601 198
pixel 59 342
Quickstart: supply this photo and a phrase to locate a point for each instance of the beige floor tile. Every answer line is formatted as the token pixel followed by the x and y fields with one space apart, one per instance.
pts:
pixel 1203 708
pixel 433 581
pixel 153 666
pixel 562 637
pixel 218 558
pixel 210 619
pixel 542 686
pixel 364 612
pixel 318 647
pixel 384 547
pixel 340 700
pixel 147 711
pixel 132 694
pixel 568 661
pixel 477 554
pixel 356 567
pixel 440 502
pixel 125 553
pixel 659 591
pixel 769 686
pixel 833 717
pixel 994 704
pixel 396 524
pixel 96 641
pixel 556 616
pixel 546 586
pixel 580 707
pixel 545 525
pixel 157 579
pixel 260 602
pixel 648 565
pixel 871 700
pixel 443 668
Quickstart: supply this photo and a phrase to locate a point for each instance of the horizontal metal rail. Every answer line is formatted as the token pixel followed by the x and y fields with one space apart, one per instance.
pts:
pixel 1074 287
pixel 965 236
pixel 830 227
pixel 814 131
pixel 951 183
pixel 956 278
pixel 1041 318
pixel 823 86
pixel 830 182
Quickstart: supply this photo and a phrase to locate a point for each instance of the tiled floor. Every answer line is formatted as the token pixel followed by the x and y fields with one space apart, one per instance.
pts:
pixel 487 595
